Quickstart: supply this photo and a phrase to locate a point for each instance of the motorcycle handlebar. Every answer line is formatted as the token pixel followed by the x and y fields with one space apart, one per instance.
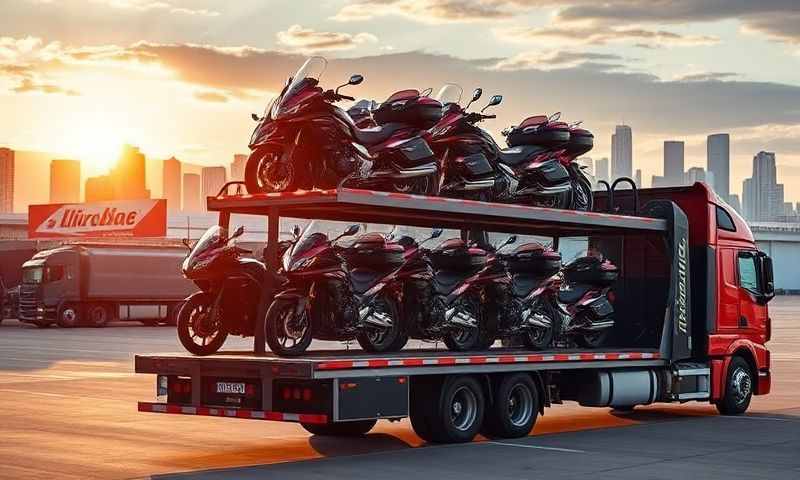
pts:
pixel 345 97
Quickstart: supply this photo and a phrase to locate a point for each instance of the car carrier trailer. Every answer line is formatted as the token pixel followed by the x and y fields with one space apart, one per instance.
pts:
pixel 691 319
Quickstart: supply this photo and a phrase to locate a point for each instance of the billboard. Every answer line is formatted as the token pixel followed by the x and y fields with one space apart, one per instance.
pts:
pixel 121 218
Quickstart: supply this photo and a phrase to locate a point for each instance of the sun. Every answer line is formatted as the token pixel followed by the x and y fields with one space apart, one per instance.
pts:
pixel 96 139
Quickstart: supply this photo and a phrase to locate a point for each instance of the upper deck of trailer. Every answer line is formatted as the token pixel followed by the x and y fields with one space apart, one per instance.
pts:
pixel 404 209
pixel 329 364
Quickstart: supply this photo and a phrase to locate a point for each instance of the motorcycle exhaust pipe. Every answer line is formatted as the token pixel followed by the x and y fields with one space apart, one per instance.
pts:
pixel 454 317
pixel 378 319
pixel 592 327
pixel 539 321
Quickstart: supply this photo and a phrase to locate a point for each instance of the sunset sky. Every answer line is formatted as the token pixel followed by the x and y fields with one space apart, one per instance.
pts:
pixel 80 77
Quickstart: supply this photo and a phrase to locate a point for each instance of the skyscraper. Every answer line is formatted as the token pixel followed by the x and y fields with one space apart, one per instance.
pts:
pixel 191 193
pixel 622 152
pixel 99 189
pixel 719 162
pixel 637 178
pixel 601 169
pixel 697 174
pixel 213 180
pixel 238 166
pixel 172 183
pixel 673 163
pixel 6 180
pixel 128 178
pixel 65 181
pixel 762 194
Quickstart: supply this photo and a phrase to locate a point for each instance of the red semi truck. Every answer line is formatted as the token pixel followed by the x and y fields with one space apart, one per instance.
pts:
pixel 692 324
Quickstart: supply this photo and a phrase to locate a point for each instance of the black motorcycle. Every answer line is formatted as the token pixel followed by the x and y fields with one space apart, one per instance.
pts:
pixel 338 293
pixel 231 286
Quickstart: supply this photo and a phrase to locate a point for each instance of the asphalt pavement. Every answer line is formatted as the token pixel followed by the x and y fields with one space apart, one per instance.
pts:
pixel 68 410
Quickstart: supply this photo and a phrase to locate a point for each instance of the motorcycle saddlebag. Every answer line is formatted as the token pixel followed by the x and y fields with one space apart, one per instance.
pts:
pixel 601 308
pixel 549 173
pixel 533 259
pixel 580 142
pixel 591 271
pixel 372 251
pixel 415 151
pixel 551 136
pixel 476 165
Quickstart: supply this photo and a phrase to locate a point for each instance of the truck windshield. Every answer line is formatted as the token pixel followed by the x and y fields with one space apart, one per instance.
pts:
pixel 32 275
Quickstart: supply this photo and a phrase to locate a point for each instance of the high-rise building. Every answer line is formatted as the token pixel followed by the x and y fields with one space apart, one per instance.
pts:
pixel 172 183
pixel 733 201
pixel 718 158
pixel 238 166
pixel 213 180
pixel 637 178
pixel 601 169
pixel 128 177
pixel 698 174
pixel 99 189
pixel 191 193
pixel 762 196
pixel 65 181
pixel 673 163
pixel 6 180
pixel 621 152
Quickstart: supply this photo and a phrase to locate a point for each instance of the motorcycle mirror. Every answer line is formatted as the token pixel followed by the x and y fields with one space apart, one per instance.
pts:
pixel 475 96
pixel 352 230
pixel 237 233
pixel 355 79
pixel 554 117
pixel 426 93
pixel 495 100
pixel 436 233
pixel 255 117
pixel 186 243
pixel 296 232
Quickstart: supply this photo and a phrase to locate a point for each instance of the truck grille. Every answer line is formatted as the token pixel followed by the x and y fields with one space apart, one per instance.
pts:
pixel 28 301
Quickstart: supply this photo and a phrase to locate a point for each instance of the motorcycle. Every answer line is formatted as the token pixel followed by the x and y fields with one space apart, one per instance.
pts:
pixel 337 292
pixel 443 292
pixel 231 286
pixel 564 143
pixel 576 304
pixel 304 141
pixel 515 307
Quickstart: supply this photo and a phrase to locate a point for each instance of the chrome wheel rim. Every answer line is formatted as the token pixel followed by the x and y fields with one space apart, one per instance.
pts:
pixel 293 327
pixel 202 329
pixel 273 175
pixel 741 385
pixel 520 405
pixel 463 408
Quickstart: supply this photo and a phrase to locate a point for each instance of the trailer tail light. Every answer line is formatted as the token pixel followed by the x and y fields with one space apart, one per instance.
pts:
pixel 612 297
pixel 179 389
pixel 302 396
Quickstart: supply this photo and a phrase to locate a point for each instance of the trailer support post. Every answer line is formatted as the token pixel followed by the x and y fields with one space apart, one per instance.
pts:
pixel 271 259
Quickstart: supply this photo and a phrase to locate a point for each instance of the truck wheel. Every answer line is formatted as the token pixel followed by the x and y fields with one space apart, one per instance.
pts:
pixel 458 410
pixel 288 331
pixel 738 388
pixel 199 334
pixel 99 315
pixel 69 316
pixel 343 429
pixel 514 409
pixel 421 406
pixel 384 339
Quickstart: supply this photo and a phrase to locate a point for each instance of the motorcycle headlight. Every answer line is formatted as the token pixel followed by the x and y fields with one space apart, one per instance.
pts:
pixel 288 109
pixel 302 263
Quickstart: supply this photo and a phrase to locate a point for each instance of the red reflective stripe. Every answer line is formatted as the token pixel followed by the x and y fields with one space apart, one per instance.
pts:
pixel 378 363
pixel 446 361
pixel 238 413
pixel 477 360
pixel 412 362
pixel 336 365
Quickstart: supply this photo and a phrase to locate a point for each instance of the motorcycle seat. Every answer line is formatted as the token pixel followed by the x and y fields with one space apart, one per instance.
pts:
pixel 573 293
pixel 515 156
pixel 375 135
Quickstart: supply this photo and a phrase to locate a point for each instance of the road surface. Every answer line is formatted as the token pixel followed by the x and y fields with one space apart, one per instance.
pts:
pixel 68 411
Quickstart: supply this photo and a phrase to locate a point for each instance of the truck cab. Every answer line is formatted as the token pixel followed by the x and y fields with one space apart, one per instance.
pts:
pixel 47 278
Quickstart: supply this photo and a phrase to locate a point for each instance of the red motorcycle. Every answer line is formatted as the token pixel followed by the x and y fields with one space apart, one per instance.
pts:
pixel 304 141
pixel 337 292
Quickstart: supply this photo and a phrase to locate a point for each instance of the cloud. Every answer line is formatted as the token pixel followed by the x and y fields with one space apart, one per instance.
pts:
pixel 706 76
pixel 558 60
pixel 150 5
pixel 28 85
pixel 428 11
pixel 210 96
pixel 308 40
pixel 594 35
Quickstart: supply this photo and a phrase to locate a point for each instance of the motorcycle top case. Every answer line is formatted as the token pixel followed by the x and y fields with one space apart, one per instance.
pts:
pixel 534 259
pixel 591 271
pixel 455 254
pixel 371 250
pixel 549 136
pixel 418 112
pixel 580 141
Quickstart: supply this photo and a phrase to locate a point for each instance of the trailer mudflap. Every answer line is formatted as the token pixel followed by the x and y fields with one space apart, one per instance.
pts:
pixel 370 397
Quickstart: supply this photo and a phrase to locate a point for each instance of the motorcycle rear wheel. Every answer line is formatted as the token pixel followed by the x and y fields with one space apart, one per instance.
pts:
pixel 582 198
pixel 414 186
pixel 195 333
pixel 465 339
pixel 392 339
pixel 287 334
pixel 265 172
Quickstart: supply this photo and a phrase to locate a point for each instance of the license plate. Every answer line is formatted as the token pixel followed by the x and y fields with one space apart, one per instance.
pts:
pixel 230 388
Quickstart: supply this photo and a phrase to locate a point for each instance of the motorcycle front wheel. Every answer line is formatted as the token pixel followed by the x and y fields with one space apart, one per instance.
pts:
pixel 197 331
pixel 288 331
pixel 390 339
pixel 266 172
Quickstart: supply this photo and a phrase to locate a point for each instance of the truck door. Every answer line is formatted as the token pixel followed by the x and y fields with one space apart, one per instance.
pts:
pixel 752 310
pixel 729 295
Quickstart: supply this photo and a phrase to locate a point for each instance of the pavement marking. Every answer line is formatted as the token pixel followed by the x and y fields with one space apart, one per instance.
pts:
pixel 757 417
pixel 537 447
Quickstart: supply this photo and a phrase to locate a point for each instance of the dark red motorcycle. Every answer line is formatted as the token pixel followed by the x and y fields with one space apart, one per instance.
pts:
pixel 304 141
pixel 337 292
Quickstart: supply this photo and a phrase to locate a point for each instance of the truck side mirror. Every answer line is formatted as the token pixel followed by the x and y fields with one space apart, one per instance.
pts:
pixel 767 276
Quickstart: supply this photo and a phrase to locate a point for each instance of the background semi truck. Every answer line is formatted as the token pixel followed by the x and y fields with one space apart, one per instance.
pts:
pixel 93 284
pixel 691 317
